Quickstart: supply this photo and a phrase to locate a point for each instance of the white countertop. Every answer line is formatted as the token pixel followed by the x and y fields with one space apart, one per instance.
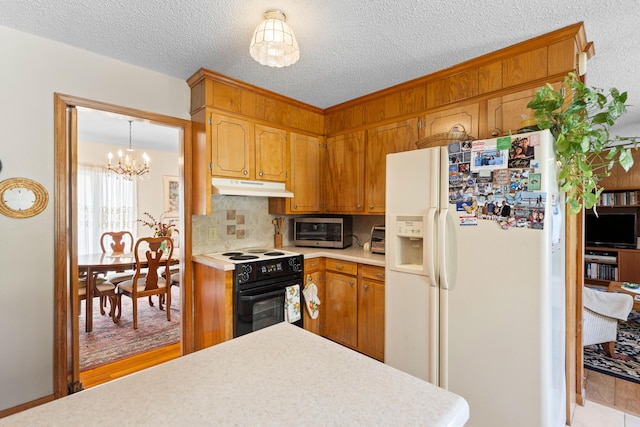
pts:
pixel 352 253
pixel 280 375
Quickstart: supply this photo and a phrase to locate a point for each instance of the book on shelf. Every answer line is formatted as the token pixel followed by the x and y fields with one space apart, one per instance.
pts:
pixel 594 270
pixel 620 198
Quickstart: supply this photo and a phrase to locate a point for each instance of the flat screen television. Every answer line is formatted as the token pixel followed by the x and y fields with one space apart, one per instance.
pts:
pixel 611 229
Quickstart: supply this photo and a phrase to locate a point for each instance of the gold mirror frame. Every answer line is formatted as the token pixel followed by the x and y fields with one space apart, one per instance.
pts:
pixel 39 204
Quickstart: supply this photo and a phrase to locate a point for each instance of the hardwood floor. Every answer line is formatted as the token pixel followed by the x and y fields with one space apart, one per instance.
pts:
pixel 613 392
pixel 111 371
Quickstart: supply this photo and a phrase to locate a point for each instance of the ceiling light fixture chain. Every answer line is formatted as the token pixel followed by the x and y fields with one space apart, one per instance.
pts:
pixel 273 42
pixel 129 167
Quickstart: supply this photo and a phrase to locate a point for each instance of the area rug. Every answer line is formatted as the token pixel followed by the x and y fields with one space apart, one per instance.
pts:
pixel 109 342
pixel 628 343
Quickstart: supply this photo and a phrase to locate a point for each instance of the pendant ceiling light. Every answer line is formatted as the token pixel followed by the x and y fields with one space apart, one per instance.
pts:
pixel 273 42
pixel 129 167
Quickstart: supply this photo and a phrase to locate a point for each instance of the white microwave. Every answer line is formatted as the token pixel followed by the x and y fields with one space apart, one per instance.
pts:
pixel 323 232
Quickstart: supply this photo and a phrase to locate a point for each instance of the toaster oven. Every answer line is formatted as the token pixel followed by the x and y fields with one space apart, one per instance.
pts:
pixel 377 239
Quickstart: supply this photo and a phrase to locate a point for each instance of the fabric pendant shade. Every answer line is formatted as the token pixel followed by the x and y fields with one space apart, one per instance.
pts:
pixel 273 42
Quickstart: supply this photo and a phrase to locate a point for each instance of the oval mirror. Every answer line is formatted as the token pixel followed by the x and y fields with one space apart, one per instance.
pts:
pixel 22 197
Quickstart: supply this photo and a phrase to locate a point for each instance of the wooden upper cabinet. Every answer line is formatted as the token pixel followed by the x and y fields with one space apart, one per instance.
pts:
pixel 504 113
pixel 271 154
pixel 232 147
pixel 344 173
pixel 306 174
pixel 383 140
pixel 242 149
pixel 444 120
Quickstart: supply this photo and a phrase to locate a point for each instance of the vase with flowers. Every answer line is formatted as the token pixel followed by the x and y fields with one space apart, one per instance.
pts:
pixel 161 227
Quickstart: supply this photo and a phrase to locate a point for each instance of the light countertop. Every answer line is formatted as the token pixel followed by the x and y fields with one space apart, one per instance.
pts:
pixel 280 375
pixel 352 253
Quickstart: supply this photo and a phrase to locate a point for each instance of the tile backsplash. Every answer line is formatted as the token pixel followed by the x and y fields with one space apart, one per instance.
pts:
pixel 240 222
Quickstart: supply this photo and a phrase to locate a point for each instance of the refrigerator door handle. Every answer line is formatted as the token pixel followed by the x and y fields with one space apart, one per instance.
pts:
pixel 431 247
pixel 442 253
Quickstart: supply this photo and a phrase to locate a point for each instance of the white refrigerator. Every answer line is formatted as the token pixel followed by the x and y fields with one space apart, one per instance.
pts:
pixel 474 299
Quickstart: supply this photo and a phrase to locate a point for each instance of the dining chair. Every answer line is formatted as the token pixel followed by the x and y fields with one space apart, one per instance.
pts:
pixel 118 242
pixel 152 263
pixel 103 289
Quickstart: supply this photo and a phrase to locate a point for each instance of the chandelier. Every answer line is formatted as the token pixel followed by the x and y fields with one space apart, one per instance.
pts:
pixel 273 42
pixel 129 167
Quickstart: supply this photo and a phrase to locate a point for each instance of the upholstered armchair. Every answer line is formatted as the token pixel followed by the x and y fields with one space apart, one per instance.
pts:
pixel 600 316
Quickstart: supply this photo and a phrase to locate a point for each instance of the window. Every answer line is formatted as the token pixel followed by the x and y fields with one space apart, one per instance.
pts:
pixel 106 202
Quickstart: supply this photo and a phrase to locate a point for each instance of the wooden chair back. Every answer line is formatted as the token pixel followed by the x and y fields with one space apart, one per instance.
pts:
pixel 148 250
pixel 119 241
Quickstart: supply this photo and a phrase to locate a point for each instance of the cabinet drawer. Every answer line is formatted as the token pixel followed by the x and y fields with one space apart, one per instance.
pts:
pixel 372 272
pixel 346 267
pixel 313 264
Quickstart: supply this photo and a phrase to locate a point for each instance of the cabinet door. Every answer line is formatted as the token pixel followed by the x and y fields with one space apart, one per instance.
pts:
pixel 232 147
pixel 306 176
pixel 371 318
pixel 341 309
pixel 317 325
pixel 504 113
pixel 443 121
pixel 629 265
pixel 383 140
pixel 344 176
pixel 271 154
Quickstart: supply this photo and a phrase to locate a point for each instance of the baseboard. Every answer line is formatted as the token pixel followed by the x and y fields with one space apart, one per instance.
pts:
pixel 25 406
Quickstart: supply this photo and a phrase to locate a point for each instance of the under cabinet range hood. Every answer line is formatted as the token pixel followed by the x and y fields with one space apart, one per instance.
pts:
pixel 243 187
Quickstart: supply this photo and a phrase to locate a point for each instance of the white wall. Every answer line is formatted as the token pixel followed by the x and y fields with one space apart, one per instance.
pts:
pixel 32 70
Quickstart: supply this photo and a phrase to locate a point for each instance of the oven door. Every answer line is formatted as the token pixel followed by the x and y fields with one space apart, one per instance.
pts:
pixel 259 307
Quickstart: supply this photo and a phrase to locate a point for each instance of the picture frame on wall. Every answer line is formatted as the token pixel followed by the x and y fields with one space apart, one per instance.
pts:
pixel 171 196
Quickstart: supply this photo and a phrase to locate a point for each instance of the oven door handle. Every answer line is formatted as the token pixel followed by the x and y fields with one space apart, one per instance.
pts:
pixel 262 296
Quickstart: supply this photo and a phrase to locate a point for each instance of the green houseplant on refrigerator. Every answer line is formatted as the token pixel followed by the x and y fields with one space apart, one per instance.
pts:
pixel 580 123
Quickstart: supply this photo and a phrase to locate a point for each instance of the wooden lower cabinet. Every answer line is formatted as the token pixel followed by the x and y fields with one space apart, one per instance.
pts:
pixel 371 311
pixel 354 306
pixel 629 265
pixel 314 270
pixel 213 296
pixel 342 308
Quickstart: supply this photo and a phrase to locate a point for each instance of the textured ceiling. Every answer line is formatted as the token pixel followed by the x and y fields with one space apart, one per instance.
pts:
pixel 348 48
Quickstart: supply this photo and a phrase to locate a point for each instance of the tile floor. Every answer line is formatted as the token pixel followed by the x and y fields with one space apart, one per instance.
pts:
pixel 593 414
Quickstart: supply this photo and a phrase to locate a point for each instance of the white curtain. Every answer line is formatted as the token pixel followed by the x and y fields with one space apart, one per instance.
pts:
pixel 106 202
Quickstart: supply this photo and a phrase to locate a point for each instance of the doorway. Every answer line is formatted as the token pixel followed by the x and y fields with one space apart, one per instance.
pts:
pixel 66 353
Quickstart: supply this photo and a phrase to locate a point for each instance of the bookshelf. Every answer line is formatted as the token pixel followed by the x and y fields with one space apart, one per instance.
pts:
pixel 603 265
pixel 619 199
pixel 600 266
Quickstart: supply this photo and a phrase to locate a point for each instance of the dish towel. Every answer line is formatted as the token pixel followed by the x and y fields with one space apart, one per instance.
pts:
pixel 292 304
pixel 311 300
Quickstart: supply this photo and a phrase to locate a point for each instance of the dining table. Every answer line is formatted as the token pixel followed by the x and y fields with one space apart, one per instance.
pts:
pixel 95 263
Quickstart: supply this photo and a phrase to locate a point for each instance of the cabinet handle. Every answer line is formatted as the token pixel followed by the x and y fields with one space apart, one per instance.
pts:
pixel 295 206
pixel 246 172
pixel 260 173
pixel 358 206
pixel 351 283
pixel 339 267
pixel 366 287
pixel 380 275
pixel 370 206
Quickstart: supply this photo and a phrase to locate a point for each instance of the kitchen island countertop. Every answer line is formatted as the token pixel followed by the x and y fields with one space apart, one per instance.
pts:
pixel 280 375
